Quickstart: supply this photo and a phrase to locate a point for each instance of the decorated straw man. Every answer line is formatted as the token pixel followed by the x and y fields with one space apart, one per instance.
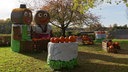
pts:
pixel 21 19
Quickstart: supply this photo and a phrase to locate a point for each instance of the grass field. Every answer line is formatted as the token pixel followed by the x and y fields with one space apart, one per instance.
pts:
pixel 91 58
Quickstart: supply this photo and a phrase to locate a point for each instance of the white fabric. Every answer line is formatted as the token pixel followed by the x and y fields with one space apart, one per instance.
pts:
pixel 62 51
pixel 37 29
pixel 17 25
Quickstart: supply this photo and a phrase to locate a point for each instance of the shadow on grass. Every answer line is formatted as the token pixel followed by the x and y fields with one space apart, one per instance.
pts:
pixel 123 51
pixel 41 56
pixel 91 62
pixel 104 63
pixel 87 56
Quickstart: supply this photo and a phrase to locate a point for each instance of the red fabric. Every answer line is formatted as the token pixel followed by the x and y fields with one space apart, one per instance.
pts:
pixel 43 35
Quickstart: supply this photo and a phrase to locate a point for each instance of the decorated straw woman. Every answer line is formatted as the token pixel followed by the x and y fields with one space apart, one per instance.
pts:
pixel 42 29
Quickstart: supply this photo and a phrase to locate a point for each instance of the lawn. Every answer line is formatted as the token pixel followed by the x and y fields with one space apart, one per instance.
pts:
pixel 91 58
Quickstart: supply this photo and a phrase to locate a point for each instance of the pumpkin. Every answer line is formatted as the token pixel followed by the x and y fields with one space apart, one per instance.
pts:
pixel 56 40
pixel 109 43
pixel 62 39
pixel 52 40
pixel 66 39
pixel 111 46
pixel 72 39
pixel 85 38
pixel 21 15
pixel 116 43
pixel 42 17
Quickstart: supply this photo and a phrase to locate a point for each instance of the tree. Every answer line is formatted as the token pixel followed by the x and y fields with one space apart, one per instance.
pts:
pixel 5 26
pixel 64 14
pixel 86 4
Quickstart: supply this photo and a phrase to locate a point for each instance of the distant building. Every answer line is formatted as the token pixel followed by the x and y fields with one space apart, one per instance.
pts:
pixel 120 33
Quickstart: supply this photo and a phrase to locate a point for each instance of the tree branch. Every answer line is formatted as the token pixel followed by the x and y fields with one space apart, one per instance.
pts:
pixel 55 24
pixel 69 20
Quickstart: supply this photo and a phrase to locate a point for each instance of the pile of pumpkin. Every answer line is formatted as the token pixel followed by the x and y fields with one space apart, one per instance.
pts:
pixel 87 40
pixel 113 47
pixel 63 39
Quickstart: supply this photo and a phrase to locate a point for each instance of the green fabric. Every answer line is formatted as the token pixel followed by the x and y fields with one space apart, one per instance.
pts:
pixel 15 45
pixel 25 33
pixel 57 64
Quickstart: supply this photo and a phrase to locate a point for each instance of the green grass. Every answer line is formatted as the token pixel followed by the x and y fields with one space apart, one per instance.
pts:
pixel 5 34
pixel 16 62
pixel 91 58
pixel 121 40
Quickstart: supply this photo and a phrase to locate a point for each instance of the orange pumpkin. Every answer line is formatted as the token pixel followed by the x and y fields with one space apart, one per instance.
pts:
pixel 116 43
pixel 66 39
pixel 52 40
pixel 109 43
pixel 111 46
pixel 56 40
pixel 62 39
pixel 72 39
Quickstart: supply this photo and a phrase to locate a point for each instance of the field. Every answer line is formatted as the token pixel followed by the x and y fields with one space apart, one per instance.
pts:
pixel 91 58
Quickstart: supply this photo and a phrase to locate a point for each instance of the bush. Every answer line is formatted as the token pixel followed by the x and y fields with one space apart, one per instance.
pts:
pixel 56 34
pixel 5 40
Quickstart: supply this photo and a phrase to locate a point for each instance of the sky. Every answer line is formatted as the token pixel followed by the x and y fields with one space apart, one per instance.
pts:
pixel 109 13
pixel 6 6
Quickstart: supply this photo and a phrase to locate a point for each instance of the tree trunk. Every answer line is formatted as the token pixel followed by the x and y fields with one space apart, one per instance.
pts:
pixel 63 31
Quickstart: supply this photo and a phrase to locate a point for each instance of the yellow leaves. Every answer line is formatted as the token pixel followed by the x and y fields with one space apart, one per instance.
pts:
pixel 127 4
pixel 125 0
pixel 82 5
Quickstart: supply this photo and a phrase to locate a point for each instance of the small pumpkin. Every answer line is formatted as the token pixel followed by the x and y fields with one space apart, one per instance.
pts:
pixel 56 40
pixel 52 40
pixel 109 44
pixel 72 39
pixel 111 47
pixel 116 43
pixel 66 39
pixel 62 39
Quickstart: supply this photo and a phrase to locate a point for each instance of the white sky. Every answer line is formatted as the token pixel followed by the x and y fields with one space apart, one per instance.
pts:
pixel 6 6
pixel 110 14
